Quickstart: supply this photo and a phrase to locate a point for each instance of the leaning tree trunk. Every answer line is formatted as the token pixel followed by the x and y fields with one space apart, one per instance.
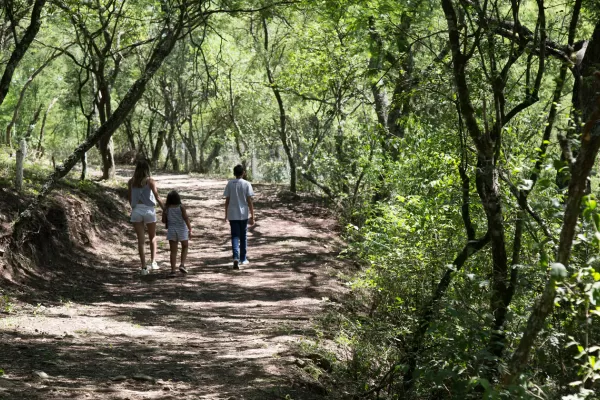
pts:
pixel 21 48
pixel 163 47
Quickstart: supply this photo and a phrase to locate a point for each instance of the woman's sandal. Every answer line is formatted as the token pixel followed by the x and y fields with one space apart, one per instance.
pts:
pixel 172 274
pixel 182 269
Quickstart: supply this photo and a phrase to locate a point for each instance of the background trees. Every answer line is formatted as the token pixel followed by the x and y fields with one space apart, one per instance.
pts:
pixel 457 139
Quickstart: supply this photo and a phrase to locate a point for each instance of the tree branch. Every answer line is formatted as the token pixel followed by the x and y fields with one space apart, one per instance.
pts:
pixel 21 48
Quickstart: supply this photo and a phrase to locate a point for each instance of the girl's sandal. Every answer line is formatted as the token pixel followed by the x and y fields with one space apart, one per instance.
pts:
pixel 172 274
pixel 182 269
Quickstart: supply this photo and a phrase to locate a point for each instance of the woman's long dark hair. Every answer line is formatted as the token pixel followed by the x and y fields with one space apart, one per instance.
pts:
pixel 142 172
pixel 173 199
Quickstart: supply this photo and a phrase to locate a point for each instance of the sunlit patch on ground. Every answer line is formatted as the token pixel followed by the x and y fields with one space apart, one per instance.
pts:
pixel 212 334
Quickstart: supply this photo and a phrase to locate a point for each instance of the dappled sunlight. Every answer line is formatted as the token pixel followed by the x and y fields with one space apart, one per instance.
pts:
pixel 212 333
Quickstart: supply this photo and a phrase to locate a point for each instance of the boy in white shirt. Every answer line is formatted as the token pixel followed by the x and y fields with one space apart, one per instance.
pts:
pixel 238 211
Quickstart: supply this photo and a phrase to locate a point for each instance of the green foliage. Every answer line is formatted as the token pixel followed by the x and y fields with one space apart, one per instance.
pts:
pixel 373 119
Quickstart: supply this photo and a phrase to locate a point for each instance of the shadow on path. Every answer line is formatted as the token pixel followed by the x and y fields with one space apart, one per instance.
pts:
pixel 99 330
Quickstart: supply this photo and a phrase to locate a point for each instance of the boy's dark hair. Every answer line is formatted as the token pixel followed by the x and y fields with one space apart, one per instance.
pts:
pixel 173 199
pixel 238 170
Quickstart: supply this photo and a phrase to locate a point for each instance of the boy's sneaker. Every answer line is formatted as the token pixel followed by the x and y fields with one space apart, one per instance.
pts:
pixel 144 271
pixel 245 262
pixel 153 266
pixel 182 269
pixel 236 264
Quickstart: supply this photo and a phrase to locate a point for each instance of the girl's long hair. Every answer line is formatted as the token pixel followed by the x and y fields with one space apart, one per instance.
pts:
pixel 142 173
pixel 173 199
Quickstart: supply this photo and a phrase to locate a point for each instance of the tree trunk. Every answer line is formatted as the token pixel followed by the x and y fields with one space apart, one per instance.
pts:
pixel 21 153
pixel 580 170
pixel 83 167
pixel 39 145
pixel 163 47
pixel 108 159
pixel 22 95
pixel 21 48
pixel 106 144
pixel 158 148
pixel 172 154
pixel 191 145
pixel 214 153
pixel 130 134
pixel 428 312
pixel 88 131
pixel 282 114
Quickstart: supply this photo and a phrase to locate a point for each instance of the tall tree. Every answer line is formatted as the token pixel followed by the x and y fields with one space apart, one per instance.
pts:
pixel 21 42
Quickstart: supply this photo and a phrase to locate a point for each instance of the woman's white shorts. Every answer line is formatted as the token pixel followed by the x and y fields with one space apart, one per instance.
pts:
pixel 143 213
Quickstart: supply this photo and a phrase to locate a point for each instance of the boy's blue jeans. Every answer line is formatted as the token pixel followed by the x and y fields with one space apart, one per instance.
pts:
pixel 239 238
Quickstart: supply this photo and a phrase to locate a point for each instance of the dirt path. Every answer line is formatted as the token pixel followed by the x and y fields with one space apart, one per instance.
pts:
pixel 213 334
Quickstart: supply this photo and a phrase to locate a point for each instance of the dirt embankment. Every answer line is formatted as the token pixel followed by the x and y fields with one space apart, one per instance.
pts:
pixel 78 321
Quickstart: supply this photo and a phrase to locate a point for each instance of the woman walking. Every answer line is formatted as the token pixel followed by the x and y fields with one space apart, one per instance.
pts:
pixel 143 196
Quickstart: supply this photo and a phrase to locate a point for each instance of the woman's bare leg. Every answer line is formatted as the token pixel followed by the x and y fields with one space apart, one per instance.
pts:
pixel 152 236
pixel 139 230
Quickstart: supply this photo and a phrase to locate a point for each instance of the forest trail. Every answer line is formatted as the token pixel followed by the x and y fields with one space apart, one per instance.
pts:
pixel 109 333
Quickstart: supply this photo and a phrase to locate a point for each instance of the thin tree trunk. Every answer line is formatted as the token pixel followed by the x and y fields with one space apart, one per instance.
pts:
pixel 130 134
pixel 21 153
pixel 41 138
pixel 22 94
pixel 282 114
pixel 428 312
pixel 106 143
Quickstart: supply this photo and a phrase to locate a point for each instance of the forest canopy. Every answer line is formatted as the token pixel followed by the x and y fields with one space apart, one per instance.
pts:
pixel 456 138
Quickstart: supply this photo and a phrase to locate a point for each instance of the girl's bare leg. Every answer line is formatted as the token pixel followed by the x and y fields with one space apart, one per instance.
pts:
pixel 184 251
pixel 173 246
pixel 139 230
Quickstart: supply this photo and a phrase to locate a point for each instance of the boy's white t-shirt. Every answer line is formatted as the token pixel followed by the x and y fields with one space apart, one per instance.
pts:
pixel 238 190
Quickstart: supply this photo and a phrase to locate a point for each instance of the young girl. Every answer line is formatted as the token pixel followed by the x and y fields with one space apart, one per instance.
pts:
pixel 143 196
pixel 179 229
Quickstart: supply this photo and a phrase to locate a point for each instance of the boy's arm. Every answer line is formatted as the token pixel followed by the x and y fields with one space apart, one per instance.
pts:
pixel 251 208
pixel 226 206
